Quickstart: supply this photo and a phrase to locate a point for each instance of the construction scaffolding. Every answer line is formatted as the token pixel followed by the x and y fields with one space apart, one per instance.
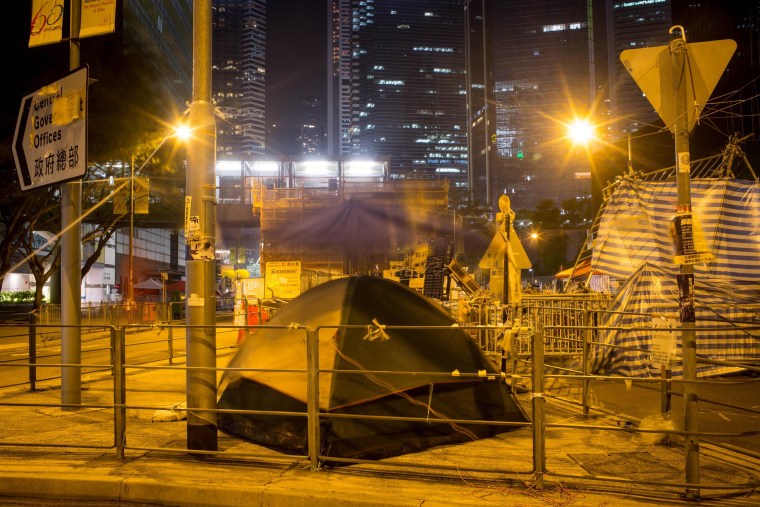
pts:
pixel 356 227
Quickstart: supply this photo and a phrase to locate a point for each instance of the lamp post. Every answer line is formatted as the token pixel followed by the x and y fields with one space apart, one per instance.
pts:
pixel 180 132
pixel 200 235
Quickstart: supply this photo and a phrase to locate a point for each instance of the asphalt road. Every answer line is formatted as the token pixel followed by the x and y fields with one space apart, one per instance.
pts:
pixel 143 345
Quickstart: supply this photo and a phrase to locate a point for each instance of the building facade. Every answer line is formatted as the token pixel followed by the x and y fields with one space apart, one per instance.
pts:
pixel 532 72
pixel 404 97
pixel 312 126
pixel 239 76
pixel 645 23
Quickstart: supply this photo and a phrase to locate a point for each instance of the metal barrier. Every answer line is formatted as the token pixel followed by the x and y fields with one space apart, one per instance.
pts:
pixel 99 314
pixel 540 471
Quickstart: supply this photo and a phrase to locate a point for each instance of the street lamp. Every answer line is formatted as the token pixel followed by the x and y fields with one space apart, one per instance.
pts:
pixel 181 132
pixel 581 132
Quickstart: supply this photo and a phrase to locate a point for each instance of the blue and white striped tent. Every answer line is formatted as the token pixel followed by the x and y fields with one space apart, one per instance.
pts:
pixel 635 228
pixel 651 295
pixel 634 244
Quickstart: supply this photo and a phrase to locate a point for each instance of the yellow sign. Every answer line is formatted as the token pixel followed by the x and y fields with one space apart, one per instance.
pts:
pixel 283 279
pixel 142 198
pixel 142 188
pixel 47 22
pixel 98 17
pixel 652 69
pixel 494 256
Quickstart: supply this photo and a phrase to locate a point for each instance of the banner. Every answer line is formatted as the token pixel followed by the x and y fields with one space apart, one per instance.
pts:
pixel 47 22
pixel 98 17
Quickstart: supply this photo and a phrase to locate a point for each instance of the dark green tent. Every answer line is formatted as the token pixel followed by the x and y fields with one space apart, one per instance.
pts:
pixel 362 301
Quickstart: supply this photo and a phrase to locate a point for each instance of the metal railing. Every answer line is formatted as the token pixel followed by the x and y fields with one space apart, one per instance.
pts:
pixel 106 314
pixel 540 392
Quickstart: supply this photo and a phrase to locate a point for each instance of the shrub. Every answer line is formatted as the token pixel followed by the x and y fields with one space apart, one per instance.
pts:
pixel 22 296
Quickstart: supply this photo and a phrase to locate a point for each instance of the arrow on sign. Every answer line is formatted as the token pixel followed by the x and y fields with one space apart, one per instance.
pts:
pixel 18 144
pixel 50 142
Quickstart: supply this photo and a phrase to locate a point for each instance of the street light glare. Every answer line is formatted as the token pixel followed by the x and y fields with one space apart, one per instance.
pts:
pixel 580 131
pixel 183 132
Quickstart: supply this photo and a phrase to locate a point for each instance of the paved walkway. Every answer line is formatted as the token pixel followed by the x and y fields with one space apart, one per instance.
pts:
pixel 156 470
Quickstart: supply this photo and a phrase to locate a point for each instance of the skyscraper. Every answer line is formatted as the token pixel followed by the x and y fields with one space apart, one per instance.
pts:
pixel 406 88
pixel 162 31
pixel 238 79
pixel 632 25
pixel 312 126
pixel 645 23
pixel 481 108
pixel 339 77
pixel 533 60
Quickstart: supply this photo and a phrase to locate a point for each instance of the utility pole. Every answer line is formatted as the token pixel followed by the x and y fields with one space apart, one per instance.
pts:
pixel 200 234
pixel 71 259
pixel 686 76
pixel 678 52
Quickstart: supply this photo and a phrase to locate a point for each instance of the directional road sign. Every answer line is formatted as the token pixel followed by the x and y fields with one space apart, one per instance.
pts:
pixel 50 143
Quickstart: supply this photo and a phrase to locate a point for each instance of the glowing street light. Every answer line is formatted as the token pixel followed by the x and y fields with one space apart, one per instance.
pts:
pixel 535 236
pixel 581 132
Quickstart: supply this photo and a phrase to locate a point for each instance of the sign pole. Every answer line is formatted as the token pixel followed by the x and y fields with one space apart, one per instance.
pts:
pixel 678 90
pixel 71 261
pixel 678 51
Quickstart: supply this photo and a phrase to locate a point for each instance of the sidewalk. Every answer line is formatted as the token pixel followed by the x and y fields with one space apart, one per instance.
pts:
pixel 242 474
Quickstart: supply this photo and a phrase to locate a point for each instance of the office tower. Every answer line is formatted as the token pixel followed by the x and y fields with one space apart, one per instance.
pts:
pixel 646 23
pixel 163 32
pixel 533 60
pixel 632 25
pixel 406 88
pixel 481 108
pixel 238 80
pixel 312 126
pixel 338 77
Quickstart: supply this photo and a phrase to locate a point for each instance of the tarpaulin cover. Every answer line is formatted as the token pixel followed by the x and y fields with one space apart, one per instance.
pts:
pixel 650 295
pixel 149 284
pixel 635 228
pixel 359 301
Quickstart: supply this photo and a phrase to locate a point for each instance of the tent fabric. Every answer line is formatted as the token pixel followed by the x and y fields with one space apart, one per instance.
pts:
pixel 651 294
pixel 635 228
pixel 361 227
pixel 149 284
pixel 582 269
pixel 358 302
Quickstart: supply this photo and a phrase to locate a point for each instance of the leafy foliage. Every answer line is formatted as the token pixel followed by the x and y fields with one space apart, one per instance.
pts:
pixel 22 296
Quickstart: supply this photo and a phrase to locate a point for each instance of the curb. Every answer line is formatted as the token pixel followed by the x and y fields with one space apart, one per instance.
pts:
pixel 60 486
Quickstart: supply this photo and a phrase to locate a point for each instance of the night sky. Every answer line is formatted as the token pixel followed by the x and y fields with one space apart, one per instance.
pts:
pixel 296 57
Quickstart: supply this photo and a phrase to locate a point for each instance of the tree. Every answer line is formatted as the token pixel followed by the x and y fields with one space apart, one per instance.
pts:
pixel 577 212
pixel 21 213
pixel 547 215
pixel 127 117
